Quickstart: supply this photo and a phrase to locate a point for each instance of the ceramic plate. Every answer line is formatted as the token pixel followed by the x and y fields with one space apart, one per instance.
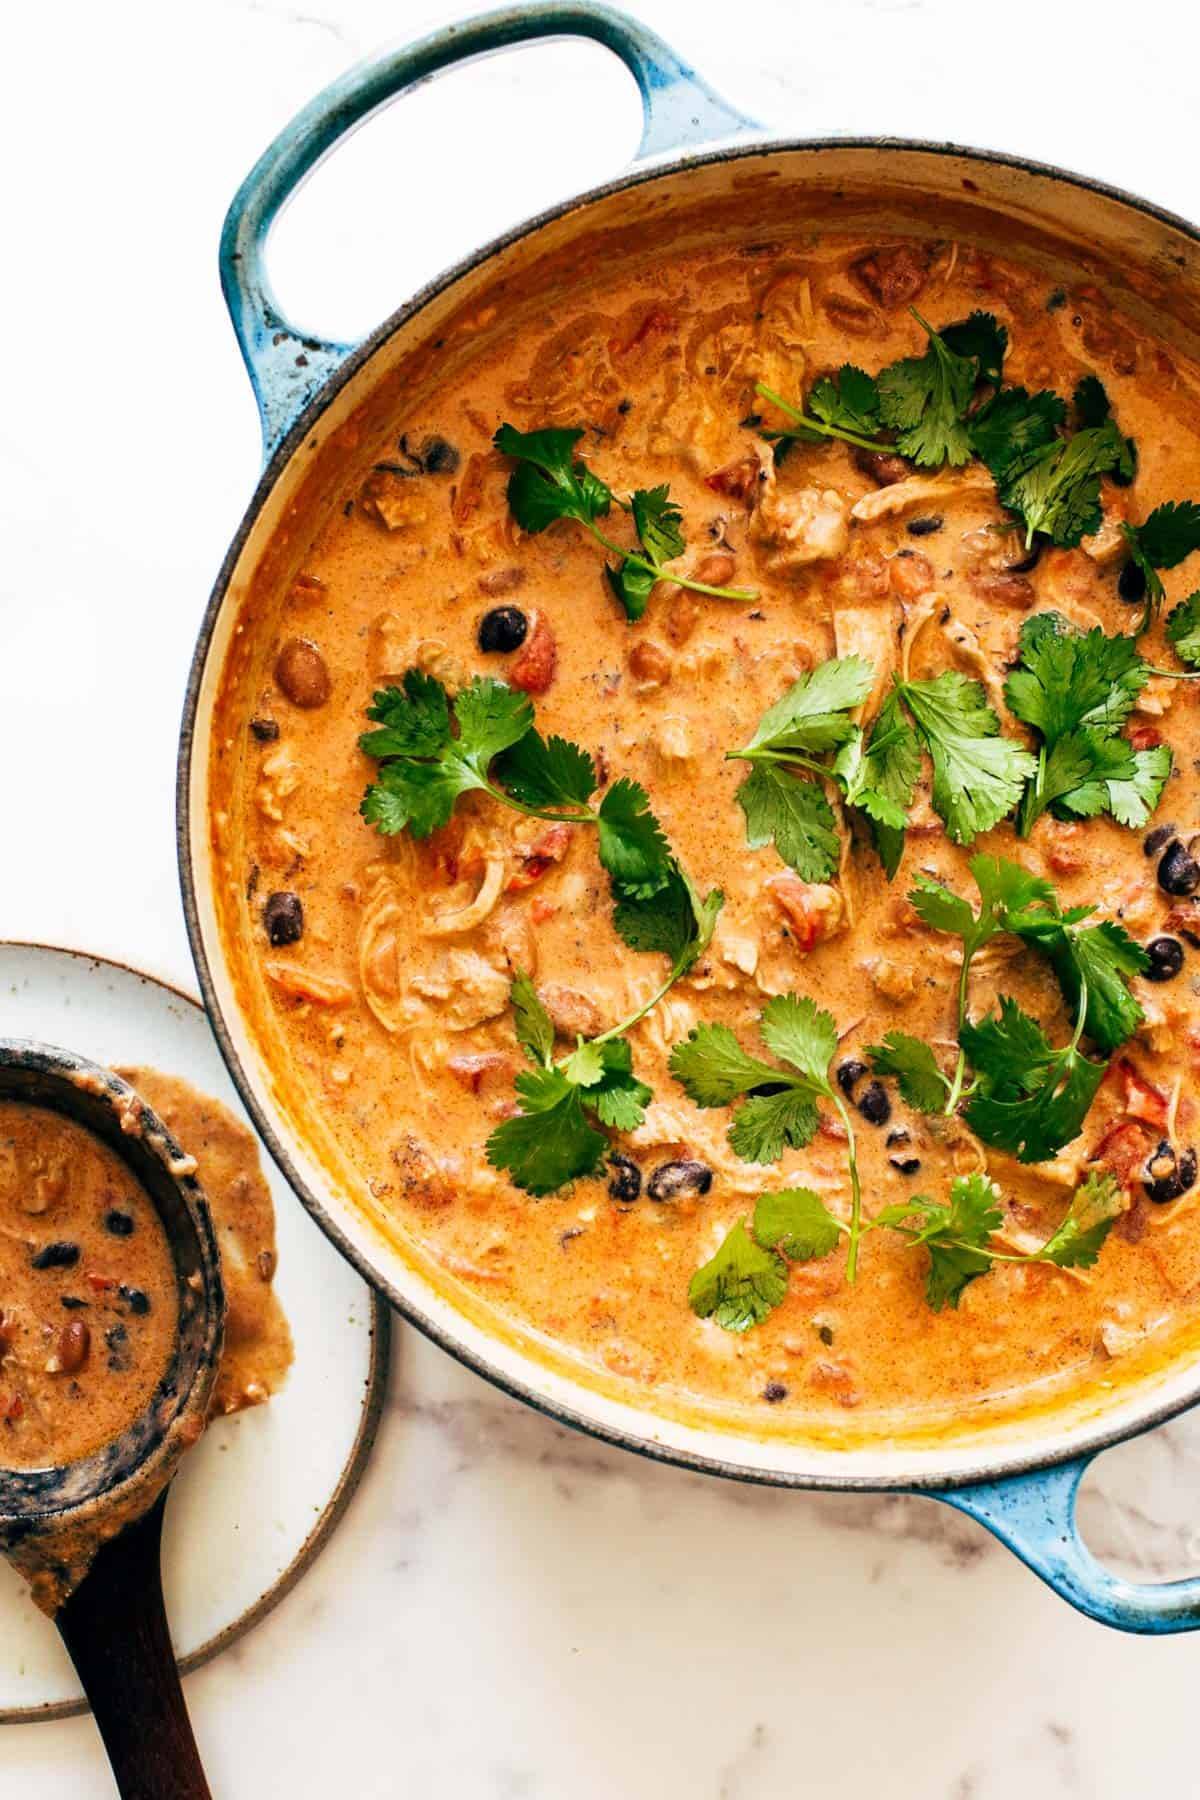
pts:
pixel 257 1499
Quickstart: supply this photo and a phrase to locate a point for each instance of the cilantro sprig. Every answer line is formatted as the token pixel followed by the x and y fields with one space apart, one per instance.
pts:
pixel 779 1105
pixel 808 741
pixel 844 405
pixel 551 482
pixel 1162 541
pixel 747 1278
pixel 557 1136
pixel 431 753
pixel 1024 1096
pixel 1077 690
pixel 1183 630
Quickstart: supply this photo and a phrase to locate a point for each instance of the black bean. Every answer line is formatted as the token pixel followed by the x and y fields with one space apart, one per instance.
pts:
pixel 774 1392
pixel 72 1302
pixel 1156 839
pixel 925 527
pixel 905 1165
pixel 1131 583
pixel 624 1179
pixel 672 1179
pixel 283 916
pixel 1178 870
pixel 137 1301
pixel 1167 1176
pixel 60 1255
pixel 438 456
pixel 116 1339
pixel 874 1104
pixel 898 1135
pixel 849 1073
pixel 501 630
pixel 118 1222
pixel 1026 562
pixel 265 730
pixel 1166 958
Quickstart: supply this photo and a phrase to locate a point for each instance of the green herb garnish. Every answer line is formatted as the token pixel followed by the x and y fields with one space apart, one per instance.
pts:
pixel 550 482
pixel 780 1104
pixel 978 776
pixel 1077 692
pixel 1162 541
pixel 924 399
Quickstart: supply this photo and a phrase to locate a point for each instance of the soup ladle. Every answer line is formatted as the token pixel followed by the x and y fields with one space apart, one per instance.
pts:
pixel 86 1534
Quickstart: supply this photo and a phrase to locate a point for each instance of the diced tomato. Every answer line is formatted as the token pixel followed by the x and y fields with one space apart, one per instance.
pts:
pixel 14 1409
pixel 100 1284
pixel 1064 849
pixel 1124 1148
pixel 1145 737
pixel 832 1129
pixel 737 479
pixel 444 848
pixel 541 909
pixel 813 910
pixel 542 854
pixel 534 664
pixel 1143 1101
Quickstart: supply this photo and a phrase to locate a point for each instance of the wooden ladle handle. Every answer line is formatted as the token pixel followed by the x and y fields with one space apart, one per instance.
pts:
pixel 115 1628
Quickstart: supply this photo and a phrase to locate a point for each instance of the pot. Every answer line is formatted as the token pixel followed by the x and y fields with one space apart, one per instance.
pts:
pixel 701 166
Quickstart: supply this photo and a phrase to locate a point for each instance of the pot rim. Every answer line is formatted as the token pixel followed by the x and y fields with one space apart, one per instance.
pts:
pixel 1001 1461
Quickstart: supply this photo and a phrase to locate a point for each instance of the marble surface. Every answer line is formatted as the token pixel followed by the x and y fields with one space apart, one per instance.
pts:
pixel 509 1611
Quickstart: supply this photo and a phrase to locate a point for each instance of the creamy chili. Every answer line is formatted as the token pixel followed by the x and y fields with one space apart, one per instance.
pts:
pixel 378 970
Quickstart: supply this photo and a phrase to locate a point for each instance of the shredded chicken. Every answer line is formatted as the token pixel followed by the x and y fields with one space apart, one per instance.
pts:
pixel 919 491
pixel 798 527
pixel 871 632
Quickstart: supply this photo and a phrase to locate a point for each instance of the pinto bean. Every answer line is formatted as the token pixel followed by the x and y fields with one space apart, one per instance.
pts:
pixel 716 569
pixel 737 479
pixel 884 469
pixel 71 1349
pixel 1003 588
pixel 683 615
pixel 573 1014
pixel 650 664
pixel 501 581
pixel 301 673
pixel 534 665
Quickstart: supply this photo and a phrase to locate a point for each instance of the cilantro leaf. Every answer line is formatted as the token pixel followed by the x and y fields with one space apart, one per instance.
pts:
pixel 424 768
pixel 1103 957
pixel 785 809
pixel 1030 1100
pixel 714 1070
pixel 1091 402
pixel 914 1065
pixel 956 1237
pixel 740 1285
pixel 1183 630
pixel 924 399
pixel 414 719
pixel 978 776
pixel 551 1142
pixel 617 1096
pixel 632 846
pixel 1009 432
pixel 1077 690
pixel 632 584
pixel 658 522
pixel 796 1222
pixel 1095 1208
pixel 549 482
pixel 799 1032
pixel 983 337
pixel 1058 491
pixel 814 714
pixel 534 1027
pixel 769 1124
pixel 547 772
pixel 1168 535
pixel 673 921
pixel 844 405
pixel 878 776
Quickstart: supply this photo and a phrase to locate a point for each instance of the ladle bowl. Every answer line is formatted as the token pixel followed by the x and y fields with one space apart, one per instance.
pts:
pixel 86 1534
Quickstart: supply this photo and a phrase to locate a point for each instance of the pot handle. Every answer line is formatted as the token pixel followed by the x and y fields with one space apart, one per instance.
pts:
pixel 287 367
pixel 1034 1516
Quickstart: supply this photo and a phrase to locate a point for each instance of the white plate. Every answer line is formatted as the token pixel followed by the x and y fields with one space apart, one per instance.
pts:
pixel 256 1500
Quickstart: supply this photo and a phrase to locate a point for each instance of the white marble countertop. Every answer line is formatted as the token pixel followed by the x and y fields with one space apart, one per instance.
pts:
pixel 509 1610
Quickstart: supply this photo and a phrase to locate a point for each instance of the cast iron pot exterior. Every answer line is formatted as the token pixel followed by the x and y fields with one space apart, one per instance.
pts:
pixel 1022 1485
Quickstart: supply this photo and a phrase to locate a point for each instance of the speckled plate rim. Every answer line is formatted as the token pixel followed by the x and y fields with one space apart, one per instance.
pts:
pixel 375 1394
